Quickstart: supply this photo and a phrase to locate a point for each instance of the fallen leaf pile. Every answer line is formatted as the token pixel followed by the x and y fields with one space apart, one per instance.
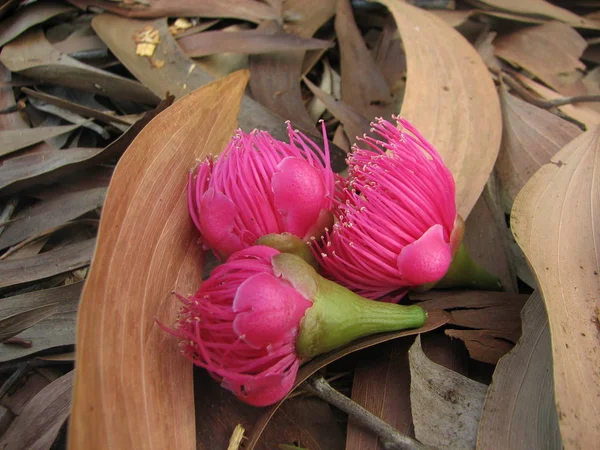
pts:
pixel 105 106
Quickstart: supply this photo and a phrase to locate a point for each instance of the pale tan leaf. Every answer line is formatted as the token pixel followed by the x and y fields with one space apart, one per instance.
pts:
pixel 453 18
pixel 519 411
pixel 133 389
pixel 450 98
pixel 555 220
pixel 446 406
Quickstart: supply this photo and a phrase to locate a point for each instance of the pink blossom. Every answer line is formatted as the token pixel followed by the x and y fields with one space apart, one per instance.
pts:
pixel 394 229
pixel 260 186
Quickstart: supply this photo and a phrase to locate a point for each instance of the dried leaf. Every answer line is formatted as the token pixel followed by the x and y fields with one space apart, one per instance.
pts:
pixel 446 406
pixel 540 8
pixel 28 16
pixel 435 319
pixel 251 10
pixel 44 215
pixel 580 112
pixel 551 52
pixel 519 411
pixel 33 56
pixel 391 60
pixel 45 265
pixel 247 41
pixel 146 212
pixel 364 90
pixel 54 331
pixel 555 221
pixel 530 137
pixel 454 18
pixel 12 325
pixel 38 425
pixel 440 83
pixel 13 140
pixel 305 17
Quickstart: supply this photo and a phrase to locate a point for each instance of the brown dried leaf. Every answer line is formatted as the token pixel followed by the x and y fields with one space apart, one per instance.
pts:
pixel 28 16
pixel 551 52
pixel 487 346
pixel 247 41
pixel 45 265
pixel 54 331
pixel 364 90
pixel 555 220
pixel 435 319
pixel 305 17
pixel 146 213
pixel 13 140
pixel 12 325
pixel 391 60
pixel 454 18
pixel 44 215
pixel 540 8
pixel 38 425
pixel 530 137
pixel 251 10
pixel 452 78
pixel 446 406
pixel 33 56
pixel 519 411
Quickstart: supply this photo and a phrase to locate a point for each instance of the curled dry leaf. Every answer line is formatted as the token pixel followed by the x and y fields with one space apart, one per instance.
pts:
pixel 13 140
pixel 119 343
pixel 33 56
pixel 55 330
pixel 450 98
pixel 551 52
pixel 555 220
pixel 519 411
pixel 446 406
pixel 530 137
pixel 40 421
pixel 251 10
pixel 28 16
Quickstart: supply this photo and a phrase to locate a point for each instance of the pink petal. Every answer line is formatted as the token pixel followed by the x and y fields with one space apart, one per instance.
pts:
pixel 298 211
pixel 427 259
pixel 217 223
pixel 269 310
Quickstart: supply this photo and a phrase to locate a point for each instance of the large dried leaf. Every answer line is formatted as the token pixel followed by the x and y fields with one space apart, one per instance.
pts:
pixel 252 10
pixel 29 16
pixel 47 264
pixel 38 425
pixel 435 319
pixel 45 215
pixel 450 98
pixel 56 330
pixel 33 56
pixel 555 221
pixel 540 8
pixel 530 137
pixel 246 41
pixel 365 90
pixel 446 406
pixel 140 395
pixel 551 52
pixel 13 140
pixel 17 322
pixel 519 411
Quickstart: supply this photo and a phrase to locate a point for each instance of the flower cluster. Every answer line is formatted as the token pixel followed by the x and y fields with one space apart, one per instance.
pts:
pixel 265 207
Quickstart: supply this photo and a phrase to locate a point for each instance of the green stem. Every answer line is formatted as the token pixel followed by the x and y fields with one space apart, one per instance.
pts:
pixel 466 273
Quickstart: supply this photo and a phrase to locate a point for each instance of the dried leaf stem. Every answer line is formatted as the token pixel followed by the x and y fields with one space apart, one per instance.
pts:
pixel 391 438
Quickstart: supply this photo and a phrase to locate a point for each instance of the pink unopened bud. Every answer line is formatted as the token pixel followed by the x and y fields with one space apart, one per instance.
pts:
pixel 395 228
pixel 262 313
pixel 261 186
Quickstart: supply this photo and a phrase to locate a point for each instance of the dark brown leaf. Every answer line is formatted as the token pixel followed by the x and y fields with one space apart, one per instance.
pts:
pixel 12 325
pixel 487 346
pixel 13 140
pixel 33 56
pixel 45 265
pixel 519 411
pixel 28 16
pixel 39 423
pixel 54 331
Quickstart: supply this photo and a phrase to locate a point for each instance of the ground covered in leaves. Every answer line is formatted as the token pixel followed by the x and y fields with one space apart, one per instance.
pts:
pixel 507 91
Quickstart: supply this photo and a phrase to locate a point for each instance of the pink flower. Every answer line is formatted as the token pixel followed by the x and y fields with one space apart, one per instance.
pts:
pixel 262 313
pixel 396 227
pixel 260 186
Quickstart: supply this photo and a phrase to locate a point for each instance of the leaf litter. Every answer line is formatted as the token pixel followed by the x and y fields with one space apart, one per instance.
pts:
pixel 477 78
